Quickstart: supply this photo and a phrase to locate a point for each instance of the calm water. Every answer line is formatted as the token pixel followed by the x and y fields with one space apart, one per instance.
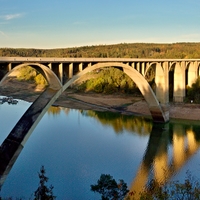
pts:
pixel 76 147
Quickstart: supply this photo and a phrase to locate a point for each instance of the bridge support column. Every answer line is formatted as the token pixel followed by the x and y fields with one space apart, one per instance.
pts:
pixel 162 87
pixel 162 83
pixel 60 72
pixel 138 67
pixel 179 82
pixel 70 70
pixel 192 73
pixel 143 69
pixel 9 67
pixel 133 64
pixel 50 66
pixel 80 66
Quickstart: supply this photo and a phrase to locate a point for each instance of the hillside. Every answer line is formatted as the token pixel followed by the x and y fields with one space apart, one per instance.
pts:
pixel 125 50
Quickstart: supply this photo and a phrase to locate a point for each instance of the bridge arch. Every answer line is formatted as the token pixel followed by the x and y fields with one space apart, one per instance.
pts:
pixel 48 74
pixel 156 111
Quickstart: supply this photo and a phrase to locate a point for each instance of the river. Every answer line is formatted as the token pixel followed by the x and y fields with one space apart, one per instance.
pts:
pixel 77 146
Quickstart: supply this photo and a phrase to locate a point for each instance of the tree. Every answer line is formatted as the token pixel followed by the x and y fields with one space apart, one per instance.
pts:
pixel 109 188
pixel 43 192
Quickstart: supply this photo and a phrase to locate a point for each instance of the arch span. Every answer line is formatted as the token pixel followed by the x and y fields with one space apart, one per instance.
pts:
pixel 48 74
pixel 157 113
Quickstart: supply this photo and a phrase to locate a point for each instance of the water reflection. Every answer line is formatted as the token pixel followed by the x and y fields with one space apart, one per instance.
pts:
pixel 157 163
pixel 169 148
pixel 120 123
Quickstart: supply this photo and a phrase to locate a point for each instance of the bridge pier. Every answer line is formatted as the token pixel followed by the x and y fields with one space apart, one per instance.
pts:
pixel 160 113
pixel 162 83
pixel 179 82
pixel 60 72
pixel 192 73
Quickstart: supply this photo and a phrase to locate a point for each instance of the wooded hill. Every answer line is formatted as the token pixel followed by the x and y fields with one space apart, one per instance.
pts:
pixel 125 50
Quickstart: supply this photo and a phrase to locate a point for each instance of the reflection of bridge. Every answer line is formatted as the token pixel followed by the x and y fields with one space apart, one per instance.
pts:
pixel 60 73
pixel 157 161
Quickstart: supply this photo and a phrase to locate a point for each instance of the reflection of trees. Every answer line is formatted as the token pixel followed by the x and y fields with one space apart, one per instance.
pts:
pixel 117 121
pixel 55 110
pixel 121 122
pixel 66 110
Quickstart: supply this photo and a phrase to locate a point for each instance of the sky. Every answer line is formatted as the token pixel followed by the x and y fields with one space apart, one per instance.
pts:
pixel 73 23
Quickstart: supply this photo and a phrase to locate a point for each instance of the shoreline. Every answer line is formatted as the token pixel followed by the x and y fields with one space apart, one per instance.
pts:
pixel 122 103
pixel 177 111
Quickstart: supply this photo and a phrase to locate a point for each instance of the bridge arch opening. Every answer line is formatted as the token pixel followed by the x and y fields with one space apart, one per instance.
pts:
pixel 150 76
pixel 154 106
pixel 48 74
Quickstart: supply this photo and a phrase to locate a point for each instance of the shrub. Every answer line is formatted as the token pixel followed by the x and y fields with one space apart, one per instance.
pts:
pixel 30 74
pixel 193 93
pixel 26 74
pixel 43 191
pixel 40 80
pixel 108 81
pixel 109 188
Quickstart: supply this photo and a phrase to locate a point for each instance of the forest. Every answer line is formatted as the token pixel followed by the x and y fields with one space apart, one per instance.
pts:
pixel 124 50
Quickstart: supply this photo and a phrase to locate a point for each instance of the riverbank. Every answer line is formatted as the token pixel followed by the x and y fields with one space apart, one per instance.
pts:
pixel 125 104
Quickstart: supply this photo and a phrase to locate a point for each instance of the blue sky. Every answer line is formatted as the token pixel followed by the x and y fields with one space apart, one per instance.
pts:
pixel 70 23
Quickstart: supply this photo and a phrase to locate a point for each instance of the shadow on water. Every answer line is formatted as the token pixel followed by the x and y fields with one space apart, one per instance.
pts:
pixel 169 146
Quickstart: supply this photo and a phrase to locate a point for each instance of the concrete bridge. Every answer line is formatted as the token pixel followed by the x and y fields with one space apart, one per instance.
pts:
pixel 60 73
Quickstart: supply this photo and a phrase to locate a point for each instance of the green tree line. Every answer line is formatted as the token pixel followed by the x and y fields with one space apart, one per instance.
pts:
pixel 125 50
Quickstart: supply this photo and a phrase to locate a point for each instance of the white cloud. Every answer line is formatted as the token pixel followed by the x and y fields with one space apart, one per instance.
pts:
pixel 11 16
